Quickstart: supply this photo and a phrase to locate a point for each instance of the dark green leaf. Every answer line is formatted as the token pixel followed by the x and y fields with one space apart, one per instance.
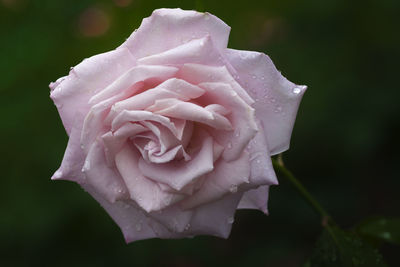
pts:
pixel 336 248
pixel 385 229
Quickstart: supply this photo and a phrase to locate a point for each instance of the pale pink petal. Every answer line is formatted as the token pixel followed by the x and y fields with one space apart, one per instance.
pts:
pixel 94 125
pixel 74 156
pixel 255 199
pixel 276 98
pixel 262 171
pixel 227 178
pixel 128 116
pixel 242 118
pixel 199 51
pixel 146 193
pixel 178 174
pixel 196 74
pixel 214 218
pixel 114 141
pixel 175 108
pixel 72 93
pixel 172 88
pixel 132 220
pixel 106 181
pixel 131 77
pixel 169 28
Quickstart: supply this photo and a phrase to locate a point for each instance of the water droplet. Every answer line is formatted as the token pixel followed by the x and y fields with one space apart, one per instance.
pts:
pixel 278 109
pixel 233 188
pixel 138 227
pixel 258 161
pixel 254 77
pixel 262 78
pixel 82 147
pixel 187 227
pixel 272 100
pixel 229 146
pixel 237 134
pixel 296 90
pixel 230 220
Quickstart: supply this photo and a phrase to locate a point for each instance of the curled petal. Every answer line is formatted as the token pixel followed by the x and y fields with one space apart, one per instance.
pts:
pixel 189 111
pixel 178 174
pixel 130 78
pixel 171 88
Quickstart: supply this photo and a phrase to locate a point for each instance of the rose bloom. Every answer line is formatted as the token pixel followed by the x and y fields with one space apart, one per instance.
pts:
pixel 172 131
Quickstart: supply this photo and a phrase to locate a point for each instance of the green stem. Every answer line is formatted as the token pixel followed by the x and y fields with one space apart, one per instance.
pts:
pixel 278 165
pixel 326 219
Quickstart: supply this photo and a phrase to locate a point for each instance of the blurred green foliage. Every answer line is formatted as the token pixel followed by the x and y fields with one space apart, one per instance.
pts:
pixel 345 145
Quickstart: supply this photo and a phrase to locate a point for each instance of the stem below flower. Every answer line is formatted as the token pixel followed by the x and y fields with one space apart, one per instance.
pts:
pixel 325 217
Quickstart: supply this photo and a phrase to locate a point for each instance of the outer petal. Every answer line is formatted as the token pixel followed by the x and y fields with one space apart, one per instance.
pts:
pixel 74 156
pixel 72 93
pixel 200 51
pixel 169 28
pixel 227 177
pixel 277 99
pixel 256 199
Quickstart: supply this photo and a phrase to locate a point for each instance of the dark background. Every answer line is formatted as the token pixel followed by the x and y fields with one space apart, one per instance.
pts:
pixel 345 145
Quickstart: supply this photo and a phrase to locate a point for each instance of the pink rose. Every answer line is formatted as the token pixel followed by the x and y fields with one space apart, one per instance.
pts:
pixel 172 131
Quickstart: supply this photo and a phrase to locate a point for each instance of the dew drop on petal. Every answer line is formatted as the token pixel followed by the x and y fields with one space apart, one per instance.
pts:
pixel 138 227
pixel 229 146
pixel 230 220
pixel 278 109
pixel 296 90
pixel 233 188
pixel 187 226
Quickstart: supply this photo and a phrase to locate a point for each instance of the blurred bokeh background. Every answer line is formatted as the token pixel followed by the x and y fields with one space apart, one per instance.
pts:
pixel 345 145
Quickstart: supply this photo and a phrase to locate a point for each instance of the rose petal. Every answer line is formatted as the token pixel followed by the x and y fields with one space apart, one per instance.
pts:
pixel 242 118
pixel 226 178
pixel 130 78
pixel 256 199
pixel 71 93
pixel 106 181
pixel 174 108
pixel 169 28
pixel 146 193
pixel 178 174
pixel 114 141
pixel 215 218
pixel 172 88
pixel 277 99
pixel 196 74
pixel 262 171
pixel 200 51
pixel 74 156
pixel 141 115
